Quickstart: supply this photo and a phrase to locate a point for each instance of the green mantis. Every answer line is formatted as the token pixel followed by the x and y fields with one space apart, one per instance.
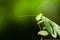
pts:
pixel 50 27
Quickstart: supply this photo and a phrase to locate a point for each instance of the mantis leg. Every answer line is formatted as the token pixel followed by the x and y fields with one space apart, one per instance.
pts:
pixel 40 21
pixel 43 33
pixel 54 34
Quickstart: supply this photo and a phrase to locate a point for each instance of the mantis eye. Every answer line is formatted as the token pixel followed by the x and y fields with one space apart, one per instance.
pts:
pixel 38 17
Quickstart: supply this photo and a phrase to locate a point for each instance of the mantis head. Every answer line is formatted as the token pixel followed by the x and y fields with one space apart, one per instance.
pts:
pixel 38 17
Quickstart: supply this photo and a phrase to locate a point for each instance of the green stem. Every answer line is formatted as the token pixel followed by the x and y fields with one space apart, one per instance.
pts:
pixel 41 38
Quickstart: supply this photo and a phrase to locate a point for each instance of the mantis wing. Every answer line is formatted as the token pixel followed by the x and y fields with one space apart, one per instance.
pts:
pixel 56 27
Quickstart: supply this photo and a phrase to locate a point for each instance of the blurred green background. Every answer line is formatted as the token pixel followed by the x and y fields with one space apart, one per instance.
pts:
pixel 14 24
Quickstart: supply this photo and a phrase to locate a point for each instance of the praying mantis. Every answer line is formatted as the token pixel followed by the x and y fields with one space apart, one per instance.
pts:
pixel 50 27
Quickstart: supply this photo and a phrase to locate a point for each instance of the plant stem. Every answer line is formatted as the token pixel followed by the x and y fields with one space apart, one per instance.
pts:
pixel 41 38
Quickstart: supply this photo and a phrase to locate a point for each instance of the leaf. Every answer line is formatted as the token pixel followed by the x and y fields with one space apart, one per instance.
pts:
pixel 43 33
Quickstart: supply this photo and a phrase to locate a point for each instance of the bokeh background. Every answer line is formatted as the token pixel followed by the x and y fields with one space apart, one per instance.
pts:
pixel 17 18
